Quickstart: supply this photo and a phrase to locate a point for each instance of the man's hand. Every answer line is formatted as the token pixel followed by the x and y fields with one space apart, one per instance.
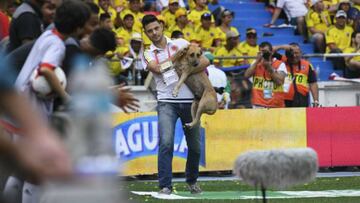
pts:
pixel 126 100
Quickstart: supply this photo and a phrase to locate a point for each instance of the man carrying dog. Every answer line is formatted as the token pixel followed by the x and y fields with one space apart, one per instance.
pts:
pixel 268 75
pixel 158 59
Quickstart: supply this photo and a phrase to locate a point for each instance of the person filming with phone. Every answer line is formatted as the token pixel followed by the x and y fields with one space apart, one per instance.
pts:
pixel 268 75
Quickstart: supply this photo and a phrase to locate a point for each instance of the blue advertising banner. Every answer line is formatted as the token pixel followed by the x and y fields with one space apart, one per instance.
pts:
pixel 138 138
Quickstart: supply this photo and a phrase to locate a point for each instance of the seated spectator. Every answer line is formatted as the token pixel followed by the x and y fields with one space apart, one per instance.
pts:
pixel 249 47
pixel 225 25
pixel 123 34
pixel 351 12
pixel 318 21
pixel 169 13
pixel 352 69
pixel 105 21
pixel 229 50
pixel 268 75
pixel 105 7
pixel 196 13
pixel 206 34
pixel 163 4
pixel 134 8
pixel 338 37
pixel 295 11
pixel 177 34
pixel 182 24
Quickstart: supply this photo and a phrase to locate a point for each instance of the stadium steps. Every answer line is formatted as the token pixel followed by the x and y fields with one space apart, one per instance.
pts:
pixel 249 13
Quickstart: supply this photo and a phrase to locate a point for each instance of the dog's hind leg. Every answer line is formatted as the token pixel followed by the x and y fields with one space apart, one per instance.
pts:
pixel 198 113
pixel 194 107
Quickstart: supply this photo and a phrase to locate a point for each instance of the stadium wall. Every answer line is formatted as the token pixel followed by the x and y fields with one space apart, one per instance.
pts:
pixel 332 131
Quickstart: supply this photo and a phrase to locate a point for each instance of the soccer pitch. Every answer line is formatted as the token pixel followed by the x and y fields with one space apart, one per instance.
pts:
pixel 336 189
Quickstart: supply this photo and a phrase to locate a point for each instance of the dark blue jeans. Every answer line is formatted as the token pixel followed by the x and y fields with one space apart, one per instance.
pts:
pixel 168 113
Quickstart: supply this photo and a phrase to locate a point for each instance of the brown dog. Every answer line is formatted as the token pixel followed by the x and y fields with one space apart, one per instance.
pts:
pixel 186 66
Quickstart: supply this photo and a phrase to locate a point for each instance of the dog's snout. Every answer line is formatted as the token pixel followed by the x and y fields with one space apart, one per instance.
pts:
pixel 196 64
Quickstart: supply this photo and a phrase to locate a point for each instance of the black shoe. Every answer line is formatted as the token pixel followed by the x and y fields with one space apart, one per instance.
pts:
pixel 194 188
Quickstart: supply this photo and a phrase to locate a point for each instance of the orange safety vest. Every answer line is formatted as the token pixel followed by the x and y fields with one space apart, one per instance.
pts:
pixel 301 79
pixel 261 79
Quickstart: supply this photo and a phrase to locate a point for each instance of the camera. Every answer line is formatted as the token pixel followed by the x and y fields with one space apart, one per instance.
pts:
pixel 289 53
pixel 266 55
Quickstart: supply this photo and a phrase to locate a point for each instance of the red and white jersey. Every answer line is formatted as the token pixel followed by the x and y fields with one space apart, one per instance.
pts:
pixel 49 51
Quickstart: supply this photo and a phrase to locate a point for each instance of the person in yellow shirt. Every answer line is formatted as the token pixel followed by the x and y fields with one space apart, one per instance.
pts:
pixel 182 24
pixel 207 34
pixel 169 13
pixel 249 47
pixel 105 7
pixel 338 37
pixel 318 21
pixel 352 69
pixel 124 33
pixel 229 50
pixel 135 10
pixel 196 13
pixel 225 25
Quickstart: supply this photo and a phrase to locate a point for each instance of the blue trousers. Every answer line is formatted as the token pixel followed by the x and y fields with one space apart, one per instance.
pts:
pixel 168 113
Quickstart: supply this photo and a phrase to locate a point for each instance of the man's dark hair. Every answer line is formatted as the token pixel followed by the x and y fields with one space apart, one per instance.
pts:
pixel 104 16
pixel 93 7
pixel 294 44
pixel 149 19
pixel 176 34
pixel 70 16
pixel 266 44
pixel 103 39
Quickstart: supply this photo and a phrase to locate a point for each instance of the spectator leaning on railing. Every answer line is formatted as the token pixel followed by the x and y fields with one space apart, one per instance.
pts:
pixel 352 69
pixel 249 47
pixel 230 49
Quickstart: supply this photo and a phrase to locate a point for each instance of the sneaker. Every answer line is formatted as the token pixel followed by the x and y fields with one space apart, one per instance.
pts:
pixel 194 189
pixel 165 191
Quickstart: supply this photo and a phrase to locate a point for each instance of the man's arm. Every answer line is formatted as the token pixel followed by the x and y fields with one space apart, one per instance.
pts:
pixel 251 70
pixel 277 76
pixel 54 82
pixel 314 89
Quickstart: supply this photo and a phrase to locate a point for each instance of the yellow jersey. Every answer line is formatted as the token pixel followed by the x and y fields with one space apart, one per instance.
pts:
pixel 111 12
pixel 223 34
pixel 320 21
pixel 195 17
pixel 169 18
pixel 223 52
pixel 350 50
pixel 206 37
pixel 248 50
pixel 124 35
pixel 188 31
pixel 342 38
pixel 137 18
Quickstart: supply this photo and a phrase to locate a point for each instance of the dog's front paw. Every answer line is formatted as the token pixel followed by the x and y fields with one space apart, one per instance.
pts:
pixel 175 93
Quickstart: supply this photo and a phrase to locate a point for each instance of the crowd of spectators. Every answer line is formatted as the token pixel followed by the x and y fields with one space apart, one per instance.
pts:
pixel 191 20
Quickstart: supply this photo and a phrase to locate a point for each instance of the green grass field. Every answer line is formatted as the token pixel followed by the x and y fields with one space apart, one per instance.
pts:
pixel 344 183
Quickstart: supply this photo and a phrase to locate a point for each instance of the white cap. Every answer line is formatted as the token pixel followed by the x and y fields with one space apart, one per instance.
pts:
pixel 136 36
pixel 340 13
